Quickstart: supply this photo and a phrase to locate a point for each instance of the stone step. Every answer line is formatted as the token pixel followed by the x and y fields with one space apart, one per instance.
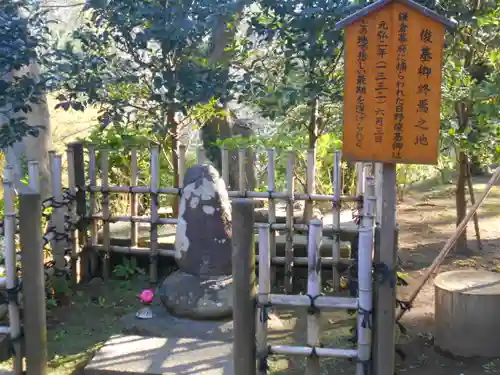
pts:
pixel 139 355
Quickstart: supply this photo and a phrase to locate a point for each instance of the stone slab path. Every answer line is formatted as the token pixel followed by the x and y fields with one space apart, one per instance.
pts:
pixel 139 355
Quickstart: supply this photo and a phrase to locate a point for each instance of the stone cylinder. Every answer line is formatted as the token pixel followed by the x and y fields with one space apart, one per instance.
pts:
pixel 467 308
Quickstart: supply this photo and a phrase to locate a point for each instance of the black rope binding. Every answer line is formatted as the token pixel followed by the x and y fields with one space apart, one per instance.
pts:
pixel 263 359
pixel 403 305
pixel 13 294
pixel 263 311
pixel 313 309
pixel 385 273
pixel 366 318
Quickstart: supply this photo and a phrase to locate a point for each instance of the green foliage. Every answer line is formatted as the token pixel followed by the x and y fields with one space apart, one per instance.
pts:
pixel 24 41
pixel 142 62
pixel 286 141
pixel 471 80
pixel 128 269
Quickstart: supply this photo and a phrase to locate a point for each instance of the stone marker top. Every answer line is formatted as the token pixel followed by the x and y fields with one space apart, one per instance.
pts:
pixel 476 282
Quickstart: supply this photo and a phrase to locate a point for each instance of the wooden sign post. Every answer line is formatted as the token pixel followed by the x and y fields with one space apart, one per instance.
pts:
pixel 392 94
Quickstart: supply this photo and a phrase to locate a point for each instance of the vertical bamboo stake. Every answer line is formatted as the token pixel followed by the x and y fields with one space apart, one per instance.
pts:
pixel 134 232
pixel 182 164
pixel 378 191
pixel 313 290
pixel 75 256
pixel 289 224
pixel 57 214
pixel 11 267
pixel 106 236
pixel 271 187
pixel 365 253
pixel 200 157
pixel 359 179
pixel 311 175
pixel 153 263
pixel 34 175
pixel 241 171
pixel 52 153
pixel 337 205
pixel 78 163
pixel 92 195
pixel 225 166
pixel 263 298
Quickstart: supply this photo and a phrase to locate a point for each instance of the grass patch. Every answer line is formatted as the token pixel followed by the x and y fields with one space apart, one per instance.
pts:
pixel 76 331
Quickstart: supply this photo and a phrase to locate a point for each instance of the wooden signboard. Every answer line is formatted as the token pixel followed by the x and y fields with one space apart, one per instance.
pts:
pixel 392 92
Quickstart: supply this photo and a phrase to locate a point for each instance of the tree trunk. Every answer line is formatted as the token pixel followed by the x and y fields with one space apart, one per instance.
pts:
pixel 220 127
pixel 175 157
pixel 461 201
pixel 311 175
pixel 33 148
pixel 463 110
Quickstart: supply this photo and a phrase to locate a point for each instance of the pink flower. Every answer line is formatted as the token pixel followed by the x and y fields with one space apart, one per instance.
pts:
pixel 146 296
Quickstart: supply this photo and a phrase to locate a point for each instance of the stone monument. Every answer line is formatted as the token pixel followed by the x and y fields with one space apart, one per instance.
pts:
pixel 202 287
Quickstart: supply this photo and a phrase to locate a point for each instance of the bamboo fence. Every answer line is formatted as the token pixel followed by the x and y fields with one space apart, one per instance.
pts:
pixel 315 302
pixel 289 196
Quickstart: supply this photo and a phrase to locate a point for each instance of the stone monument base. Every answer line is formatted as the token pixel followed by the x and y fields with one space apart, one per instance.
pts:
pixel 188 296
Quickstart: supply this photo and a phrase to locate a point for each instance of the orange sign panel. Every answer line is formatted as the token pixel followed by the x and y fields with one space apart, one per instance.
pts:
pixel 392 90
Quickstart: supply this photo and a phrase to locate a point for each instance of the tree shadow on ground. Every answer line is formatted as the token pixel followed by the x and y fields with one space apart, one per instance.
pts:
pixel 422 256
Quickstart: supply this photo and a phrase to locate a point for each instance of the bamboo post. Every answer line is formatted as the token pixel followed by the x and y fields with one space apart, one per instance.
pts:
pixel 34 175
pixel 106 235
pixel 263 297
pixel 92 240
pixel 473 201
pixel 365 252
pixel 336 208
pixel 81 204
pixel 313 291
pixel 200 157
pixel 289 223
pixel 378 191
pixel 310 185
pixel 182 164
pixel 241 171
pixel 35 329
pixel 155 205
pixel 385 293
pixel 243 259
pixel 73 217
pixel 134 204
pixel 271 208
pixel 359 178
pixel 57 214
pixel 12 282
pixel 451 241
pixel 225 166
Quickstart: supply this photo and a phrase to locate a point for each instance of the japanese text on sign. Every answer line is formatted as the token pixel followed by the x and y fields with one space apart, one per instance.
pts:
pixel 423 90
pixel 381 78
pixel 392 88
pixel 361 82
pixel 401 64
